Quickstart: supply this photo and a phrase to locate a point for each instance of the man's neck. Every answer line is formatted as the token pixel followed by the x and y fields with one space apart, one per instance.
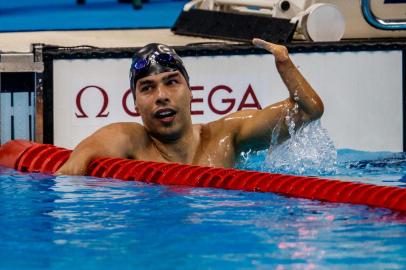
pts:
pixel 181 150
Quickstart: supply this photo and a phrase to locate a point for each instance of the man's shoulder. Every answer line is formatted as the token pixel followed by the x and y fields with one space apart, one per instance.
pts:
pixel 125 127
pixel 126 132
pixel 219 126
pixel 231 123
pixel 232 120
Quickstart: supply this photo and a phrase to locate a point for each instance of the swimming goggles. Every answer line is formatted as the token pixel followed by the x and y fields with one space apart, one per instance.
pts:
pixel 156 62
pixel 142 65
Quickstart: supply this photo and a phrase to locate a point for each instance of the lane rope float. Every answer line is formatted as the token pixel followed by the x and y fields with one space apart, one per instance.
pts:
pixel 27 156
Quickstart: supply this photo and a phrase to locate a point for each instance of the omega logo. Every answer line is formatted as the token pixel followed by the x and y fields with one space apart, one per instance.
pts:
pixel 213 95
pixel 102 112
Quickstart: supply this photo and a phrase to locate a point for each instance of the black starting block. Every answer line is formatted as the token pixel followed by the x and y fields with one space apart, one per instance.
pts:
pixel 233 26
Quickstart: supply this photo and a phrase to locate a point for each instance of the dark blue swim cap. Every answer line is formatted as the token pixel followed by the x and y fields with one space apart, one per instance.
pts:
pixel 154 59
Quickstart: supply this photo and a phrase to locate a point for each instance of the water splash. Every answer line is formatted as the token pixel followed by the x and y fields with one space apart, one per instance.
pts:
pixel 309 151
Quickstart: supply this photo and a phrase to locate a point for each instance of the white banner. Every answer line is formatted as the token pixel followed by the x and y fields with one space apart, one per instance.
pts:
pixel 361 91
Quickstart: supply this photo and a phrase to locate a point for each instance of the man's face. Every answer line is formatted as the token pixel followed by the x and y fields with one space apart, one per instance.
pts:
pixel 163 101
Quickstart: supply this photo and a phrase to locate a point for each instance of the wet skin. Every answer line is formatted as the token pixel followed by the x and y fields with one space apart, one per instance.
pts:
pixel 168 135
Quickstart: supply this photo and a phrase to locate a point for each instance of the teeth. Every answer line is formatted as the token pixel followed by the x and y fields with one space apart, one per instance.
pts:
pixel 165 113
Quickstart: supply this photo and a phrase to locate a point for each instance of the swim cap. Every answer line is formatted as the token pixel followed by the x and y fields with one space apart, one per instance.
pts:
pixel 153 59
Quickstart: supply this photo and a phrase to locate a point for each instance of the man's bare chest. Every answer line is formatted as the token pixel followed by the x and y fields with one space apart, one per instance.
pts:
pixel 215 152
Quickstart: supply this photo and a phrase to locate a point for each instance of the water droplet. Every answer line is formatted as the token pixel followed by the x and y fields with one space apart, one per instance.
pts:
pixel 310 150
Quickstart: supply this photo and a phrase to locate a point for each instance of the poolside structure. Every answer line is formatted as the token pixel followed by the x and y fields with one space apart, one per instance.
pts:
pixel 34 63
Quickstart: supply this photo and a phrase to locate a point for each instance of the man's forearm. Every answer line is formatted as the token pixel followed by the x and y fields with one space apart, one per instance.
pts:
pixel 76 164
pixel 300 90
pixel 80 158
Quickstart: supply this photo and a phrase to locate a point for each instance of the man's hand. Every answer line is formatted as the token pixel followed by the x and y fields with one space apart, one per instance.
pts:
pixel 73 167
pixel 280 52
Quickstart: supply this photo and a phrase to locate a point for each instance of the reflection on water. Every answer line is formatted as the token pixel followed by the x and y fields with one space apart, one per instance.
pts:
pixel 88 223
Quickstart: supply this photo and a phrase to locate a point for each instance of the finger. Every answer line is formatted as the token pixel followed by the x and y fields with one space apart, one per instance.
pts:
pixel 263 44
pixel 259 42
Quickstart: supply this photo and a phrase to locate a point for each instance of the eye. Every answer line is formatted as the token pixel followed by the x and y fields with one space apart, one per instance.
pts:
pixel 172 82
pixel 145 88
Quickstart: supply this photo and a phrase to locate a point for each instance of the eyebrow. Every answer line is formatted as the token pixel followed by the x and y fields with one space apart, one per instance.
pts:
pixel 169 76
pixel 144 82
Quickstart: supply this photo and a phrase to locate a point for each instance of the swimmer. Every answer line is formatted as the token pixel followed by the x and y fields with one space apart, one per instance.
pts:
pixel 161 91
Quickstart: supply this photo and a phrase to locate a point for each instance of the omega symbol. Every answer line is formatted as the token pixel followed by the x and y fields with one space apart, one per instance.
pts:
pixel 102 112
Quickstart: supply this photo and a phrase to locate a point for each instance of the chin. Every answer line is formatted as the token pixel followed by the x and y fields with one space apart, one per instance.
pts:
pixel 167 137
pixel 167 134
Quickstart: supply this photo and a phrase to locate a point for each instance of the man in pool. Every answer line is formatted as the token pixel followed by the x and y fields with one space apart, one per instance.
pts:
pixel 160 85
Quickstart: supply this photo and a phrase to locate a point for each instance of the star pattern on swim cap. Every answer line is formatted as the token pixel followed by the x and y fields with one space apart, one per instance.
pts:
pixel 152 58
pixel 165 49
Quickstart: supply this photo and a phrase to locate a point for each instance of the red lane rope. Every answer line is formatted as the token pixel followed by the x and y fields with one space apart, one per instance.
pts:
pixel 32 157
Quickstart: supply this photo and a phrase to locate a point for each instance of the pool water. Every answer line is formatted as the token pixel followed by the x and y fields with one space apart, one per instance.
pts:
pixel 89 223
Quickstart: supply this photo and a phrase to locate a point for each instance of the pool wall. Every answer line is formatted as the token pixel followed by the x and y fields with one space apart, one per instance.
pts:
pixel 361 85
pixel 83 88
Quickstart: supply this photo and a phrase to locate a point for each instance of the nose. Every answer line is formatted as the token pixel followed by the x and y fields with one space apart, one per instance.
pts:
pixel 162 96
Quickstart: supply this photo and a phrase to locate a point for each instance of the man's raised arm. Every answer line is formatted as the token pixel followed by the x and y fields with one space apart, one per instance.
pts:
pixel 255 127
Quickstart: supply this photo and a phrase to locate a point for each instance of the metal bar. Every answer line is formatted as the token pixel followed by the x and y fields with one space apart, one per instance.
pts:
pixel 389 24
pixel 12 127
pixel 30 127
pixel 19 62
pixel 30 133
pixel 255 3
pixel 1 122
pixel 38 121
pixel 39 109
pixel 404 97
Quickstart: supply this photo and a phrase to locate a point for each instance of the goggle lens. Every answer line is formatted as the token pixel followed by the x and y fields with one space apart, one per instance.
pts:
pixel 140 64
pixel 165 59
